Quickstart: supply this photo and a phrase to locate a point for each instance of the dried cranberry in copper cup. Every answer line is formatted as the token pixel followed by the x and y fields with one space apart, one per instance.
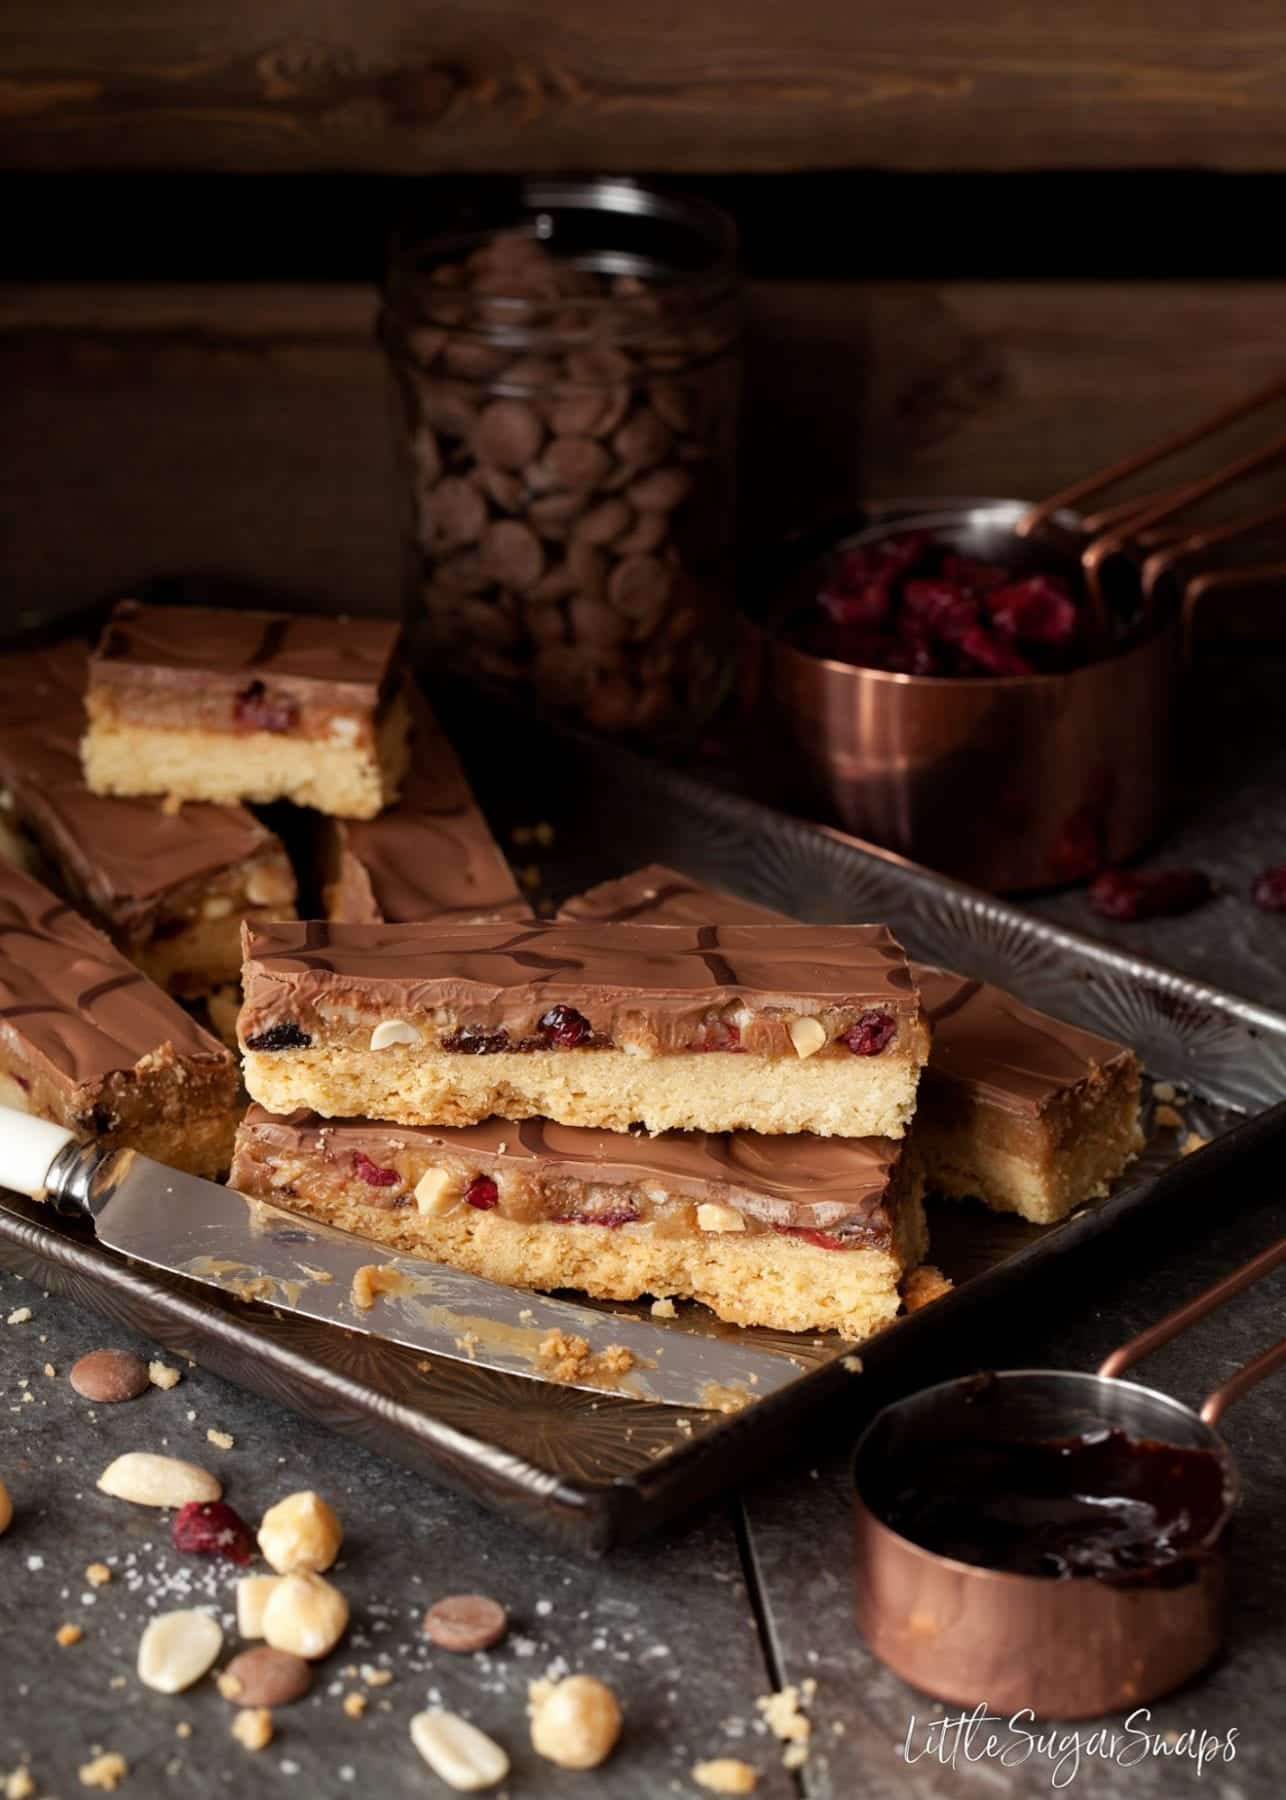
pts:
pixel 567 355
pixel 1011 781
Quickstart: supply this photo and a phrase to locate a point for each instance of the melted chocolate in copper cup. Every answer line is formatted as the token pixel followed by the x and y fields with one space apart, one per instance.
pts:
pixel 959 1498
pixel 1013 783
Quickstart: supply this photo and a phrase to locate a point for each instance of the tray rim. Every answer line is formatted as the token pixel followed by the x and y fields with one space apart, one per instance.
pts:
pixel 589 1514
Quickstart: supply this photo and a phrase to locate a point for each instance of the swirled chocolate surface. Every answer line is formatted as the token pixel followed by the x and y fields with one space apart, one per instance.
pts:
pixel 503 976
pixel 814 1183
pixel 125 856
pixel 345 662
pixel 72 1004
pixel 983 1038
pixel 428 856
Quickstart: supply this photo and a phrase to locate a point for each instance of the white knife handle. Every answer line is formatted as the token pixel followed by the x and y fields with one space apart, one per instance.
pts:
pixel 28 1146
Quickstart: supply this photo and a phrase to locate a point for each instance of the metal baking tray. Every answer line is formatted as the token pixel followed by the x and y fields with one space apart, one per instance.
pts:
pixel 594 1471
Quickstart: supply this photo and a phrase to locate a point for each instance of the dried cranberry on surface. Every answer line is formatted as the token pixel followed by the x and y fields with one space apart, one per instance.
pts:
pixel 482 1193
pixel 211 1528
pixel 968 572
pixel 371 1172
pixel 992 655
pixel 257 710
pixel 873 1032
pixel 286 1036
pixel 564 1026
pixel 473 1040
pixel 1130 894
pixel 1268 889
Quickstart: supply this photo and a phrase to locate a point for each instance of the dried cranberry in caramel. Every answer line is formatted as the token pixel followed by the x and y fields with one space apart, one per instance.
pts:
pixel 823 1240
pixel 1130 894
pixel 371 1173
pixel 473 1040
pixel 211 1528
pixel 1036 611
pixel 564 1026
pixel 286 1036
pixel 611 1220
pixel 482 1193
pixel 873 1032
pixel 257 710
pixel 720 1035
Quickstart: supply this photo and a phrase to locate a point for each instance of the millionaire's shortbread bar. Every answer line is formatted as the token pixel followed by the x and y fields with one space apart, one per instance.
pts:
pixel 170 885
pixel 430 856
pixel 206 704
pixel 801 1234
pixel 775 1028
pixel 88 1041
pixel 1031 1115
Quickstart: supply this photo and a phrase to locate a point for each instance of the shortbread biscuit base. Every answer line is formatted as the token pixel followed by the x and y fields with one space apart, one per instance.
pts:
pixel 348 780
pixel 609 1089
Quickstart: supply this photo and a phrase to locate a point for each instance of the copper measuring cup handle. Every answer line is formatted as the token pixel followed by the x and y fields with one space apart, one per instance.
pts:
pixel 1218 1402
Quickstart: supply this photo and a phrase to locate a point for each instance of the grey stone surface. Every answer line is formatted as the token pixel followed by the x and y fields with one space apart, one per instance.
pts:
pixel 668 1625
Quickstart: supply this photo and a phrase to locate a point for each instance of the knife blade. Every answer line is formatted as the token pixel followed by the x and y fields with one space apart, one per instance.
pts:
pixel 259 1252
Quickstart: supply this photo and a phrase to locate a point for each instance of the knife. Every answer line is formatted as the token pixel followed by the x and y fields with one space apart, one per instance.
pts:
pixel 248 1248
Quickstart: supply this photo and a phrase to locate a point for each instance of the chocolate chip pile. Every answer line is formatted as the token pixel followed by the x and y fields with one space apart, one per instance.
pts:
pixel 912 605
pixel 570 443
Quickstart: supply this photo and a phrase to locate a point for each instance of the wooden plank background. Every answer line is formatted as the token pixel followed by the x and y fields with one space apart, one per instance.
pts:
pixel 247 430
pixel 728 84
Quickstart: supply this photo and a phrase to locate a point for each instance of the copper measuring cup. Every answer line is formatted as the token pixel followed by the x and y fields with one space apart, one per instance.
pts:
pixel 1017 783
pixel 1071 1648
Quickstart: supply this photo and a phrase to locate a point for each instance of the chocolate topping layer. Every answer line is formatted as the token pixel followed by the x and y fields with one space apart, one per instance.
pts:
pixel 345 662
pixel 76 1008
pixel 428 856
pixel 125 856
pixel 657 980
pixel 815 1183
pixel 983 1039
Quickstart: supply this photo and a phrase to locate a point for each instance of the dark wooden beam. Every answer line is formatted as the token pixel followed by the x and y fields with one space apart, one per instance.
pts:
pixel 730 84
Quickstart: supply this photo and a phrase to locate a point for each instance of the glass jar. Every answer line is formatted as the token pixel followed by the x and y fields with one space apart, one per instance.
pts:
pixel 568 360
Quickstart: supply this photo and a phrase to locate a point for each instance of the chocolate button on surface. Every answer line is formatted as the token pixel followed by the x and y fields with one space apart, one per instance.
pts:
pixel 463 1622
pixel 267 1677
pixel 109 1376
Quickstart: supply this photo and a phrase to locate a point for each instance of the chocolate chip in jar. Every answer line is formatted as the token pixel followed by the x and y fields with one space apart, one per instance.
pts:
pixel 639 589
pixel 512 554
pixel 643 440
pixel 603 523
pixel 457 512
pixel 509 433
pixel 578 463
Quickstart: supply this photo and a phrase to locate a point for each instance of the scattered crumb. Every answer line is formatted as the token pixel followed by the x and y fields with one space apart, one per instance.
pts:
pixel 529 877
pixel 794 1756
pixel 320 1276
pixel 468 1344
pixel 923 1286
pixel 107 1771
pixel 376 1678
pixel 228 1684
pixel 253 1727
pixel 372 1280
pixel 98 1574
pixel 666 1309
pixel 19 1316
pixel 222 1440
pixel 118 1681
pixel 424 1366
pixel 1167 1119
pixel 716 1397
pixel 66 1635
pixel 1193 1141
pixel 183 1729
pixel 852 1363
pixel 162 1375
pixel 253 1287
pixel 355 1704
pixel 19 1785
pixel 1164 1090
pixel 782 1716
pixel 50 1371
pixel 569 1358
pixel 725 1775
